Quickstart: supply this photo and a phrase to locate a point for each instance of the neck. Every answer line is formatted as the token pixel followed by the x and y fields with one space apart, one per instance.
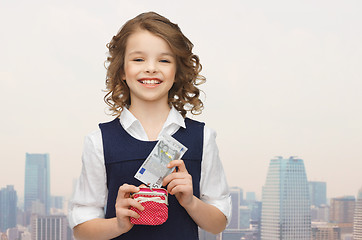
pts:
pixel 152 117
pixel 149 111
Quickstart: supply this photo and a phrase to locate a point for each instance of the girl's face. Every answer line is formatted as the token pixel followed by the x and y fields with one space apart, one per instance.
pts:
pixel 149 67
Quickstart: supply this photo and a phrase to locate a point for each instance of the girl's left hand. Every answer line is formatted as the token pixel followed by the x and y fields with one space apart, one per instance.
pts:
pixel 180 183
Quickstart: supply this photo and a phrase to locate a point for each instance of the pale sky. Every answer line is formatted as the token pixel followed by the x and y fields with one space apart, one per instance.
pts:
pixel 284 78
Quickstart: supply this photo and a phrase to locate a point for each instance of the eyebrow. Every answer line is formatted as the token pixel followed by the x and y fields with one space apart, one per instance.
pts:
pixel 162 54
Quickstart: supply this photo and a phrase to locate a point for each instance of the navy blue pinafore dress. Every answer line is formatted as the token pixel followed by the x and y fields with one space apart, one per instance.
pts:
pixel 123 155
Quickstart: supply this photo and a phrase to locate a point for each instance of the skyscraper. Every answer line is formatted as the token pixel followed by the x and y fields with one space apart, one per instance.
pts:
pixel 342 209
pixel 318 193
pixel 286 202
pixel 8 208
pixel 357 225
pixel 250 197
pixel 37 184
pixel 320 214
pixel 341 213
pixel 236 194
pixel 49 227
pixel 244 217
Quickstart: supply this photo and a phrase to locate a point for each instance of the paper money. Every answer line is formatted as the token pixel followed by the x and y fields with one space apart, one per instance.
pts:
pixel 154 169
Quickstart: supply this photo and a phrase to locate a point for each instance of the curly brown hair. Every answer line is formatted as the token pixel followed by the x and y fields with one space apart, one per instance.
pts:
pixel 184 94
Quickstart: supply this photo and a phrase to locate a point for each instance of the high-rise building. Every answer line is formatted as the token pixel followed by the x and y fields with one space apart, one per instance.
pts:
pixel 325 231
pixel 286 201
pixel 236 194
pixel 57 202
pixel 57 205
pixel 19 232
pixel 13 234
pixel 341 213
pixel 8 208
pixel 256 211
pixel 244 217
pixel 318 193
pixel 256 217
pixel 250 197
pixel 342 209
pixel 49 227
pixel 320 214
pixel 357 224
pixel 37 184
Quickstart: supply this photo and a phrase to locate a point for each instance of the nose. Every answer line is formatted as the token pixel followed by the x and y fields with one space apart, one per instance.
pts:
pixel 151 67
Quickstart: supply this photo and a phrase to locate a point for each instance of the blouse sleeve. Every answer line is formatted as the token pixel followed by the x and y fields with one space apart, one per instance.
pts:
pixel 214 189
pixel 90 193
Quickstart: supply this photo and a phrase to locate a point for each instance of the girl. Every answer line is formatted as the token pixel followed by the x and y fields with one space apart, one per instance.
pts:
pixel 152 80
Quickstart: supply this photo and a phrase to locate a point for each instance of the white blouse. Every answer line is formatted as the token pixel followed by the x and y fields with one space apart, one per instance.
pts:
pixel 90 195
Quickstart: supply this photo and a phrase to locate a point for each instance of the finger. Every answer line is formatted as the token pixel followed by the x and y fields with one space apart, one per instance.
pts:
pixel 125 212
pixel 176 175
pixel 170 177
pixel 136 204
pixel 181 188
pixel 178 163
pixel 129 202
pixel 166 180
pixel 179 182
pixel 125 190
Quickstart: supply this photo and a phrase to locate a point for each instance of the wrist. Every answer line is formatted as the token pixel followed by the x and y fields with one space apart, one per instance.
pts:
pixel 191 205
pixel 119 228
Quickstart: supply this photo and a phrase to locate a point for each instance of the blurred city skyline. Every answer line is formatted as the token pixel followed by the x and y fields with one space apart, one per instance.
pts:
pixel 256 193
pixel 252 219
pixel 283 79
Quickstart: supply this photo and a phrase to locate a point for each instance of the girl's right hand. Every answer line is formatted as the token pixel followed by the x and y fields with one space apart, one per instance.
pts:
pixel 123 203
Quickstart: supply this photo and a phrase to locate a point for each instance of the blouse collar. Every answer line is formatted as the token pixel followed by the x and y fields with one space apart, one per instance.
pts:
pixel 174 117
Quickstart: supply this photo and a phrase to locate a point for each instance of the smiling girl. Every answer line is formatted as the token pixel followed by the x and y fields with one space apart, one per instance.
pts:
pixel 152 83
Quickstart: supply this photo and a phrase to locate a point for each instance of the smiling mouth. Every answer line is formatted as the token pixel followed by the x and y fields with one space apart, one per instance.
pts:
pixel 150 81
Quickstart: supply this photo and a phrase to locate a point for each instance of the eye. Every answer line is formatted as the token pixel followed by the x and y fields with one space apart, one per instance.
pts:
pixel 165 61
pixel 138 60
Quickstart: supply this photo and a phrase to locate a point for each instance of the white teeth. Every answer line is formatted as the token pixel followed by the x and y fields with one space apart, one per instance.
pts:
pixel 150 82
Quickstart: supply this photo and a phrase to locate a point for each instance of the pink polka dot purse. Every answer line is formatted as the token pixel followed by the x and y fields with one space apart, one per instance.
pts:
pixel 156 206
